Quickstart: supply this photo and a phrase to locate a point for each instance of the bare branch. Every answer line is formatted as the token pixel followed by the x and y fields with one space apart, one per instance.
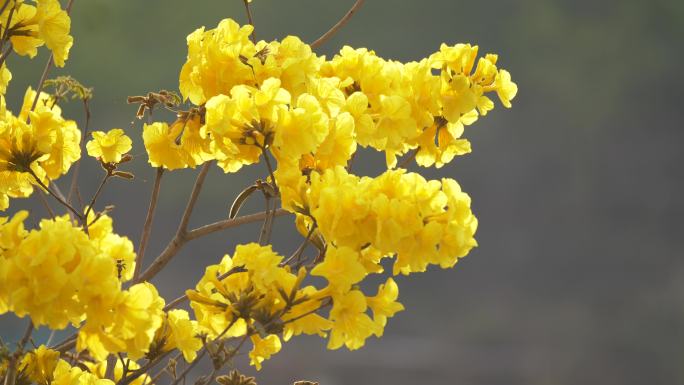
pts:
pixel 332 31
pixel 147 228
pixel 181 234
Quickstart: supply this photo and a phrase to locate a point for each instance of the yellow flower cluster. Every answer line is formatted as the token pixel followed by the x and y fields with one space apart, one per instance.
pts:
pixel 30 25
pixel 40 142
pixel 44 367
pixel 422 222
pixel 252 101
pixel 59 275
pixel 256 94
pixel 253 294
pixel 280 99
pixel 311 113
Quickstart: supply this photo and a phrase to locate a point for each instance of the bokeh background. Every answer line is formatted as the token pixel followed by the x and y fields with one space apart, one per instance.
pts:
pixel 579 277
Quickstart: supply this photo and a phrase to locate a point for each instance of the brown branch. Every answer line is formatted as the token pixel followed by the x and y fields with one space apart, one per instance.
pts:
pixel 250 20
pixel 409 158
pixel 178 242
pixel 264 234
pixel 298 253
pixel 68 344
pixel 181 234
pixel 228 223
pixel 94 199
pixel 143 369
pixel 189 368
pixel 46 204
pixel 332 31
pixel 11 376
pixel 77 167
pixel 58 197
pixel 147 228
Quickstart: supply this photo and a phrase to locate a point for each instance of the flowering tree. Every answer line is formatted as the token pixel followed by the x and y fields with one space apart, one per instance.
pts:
pixel 241 102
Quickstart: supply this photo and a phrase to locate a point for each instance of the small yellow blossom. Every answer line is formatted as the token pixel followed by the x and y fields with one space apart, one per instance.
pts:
pixel 263 349
pixel 341 267
pixel 384 304
pixel 109 146
pixel 39 365
pixel 182 334
pixel 351 325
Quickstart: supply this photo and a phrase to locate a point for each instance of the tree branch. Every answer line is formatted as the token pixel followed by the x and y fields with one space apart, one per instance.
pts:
pixel 147 228
pixel 181 234
pixel 332 31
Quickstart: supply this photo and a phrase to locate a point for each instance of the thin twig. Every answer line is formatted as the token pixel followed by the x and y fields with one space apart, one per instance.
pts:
pixel 298 253
pixel 50 338
pixel 4 6
pixel 332 31
pixel 111 364
pixel 27 335
pixel 58 197
pixel 46 204
pixel 68 343
pixel 250 20
pixel 143 369
pixel 147 228
pixel 197 188
pixel 94 199
pixel 177 244
pixel 5 55
pixel 77 167
pixel 181 233
pixel 409 158
pixel 5 35
pixel 190 366
pixel 270 168
pixel 229 223
pixel 264 233
pixel 39 89
pixel 324 304
pixel 11 375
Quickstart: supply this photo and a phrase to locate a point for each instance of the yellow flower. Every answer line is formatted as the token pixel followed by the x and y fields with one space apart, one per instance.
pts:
pixel 242 124
pixel 301 129
pixel 25 41
pixel 290 60
pixel 66 375
pixel 384 304
pixel 303 320
pixel 216 61
pixel 109 146
pixel 351 325
pixel 162 146
pixel 48 146
pixel 505 88
pixel 99 369
pixel 40 365
pixel 263 349
pixel 46 23
pixel 183 334
pixel 341 267
pixel 5 77
pixel 54 25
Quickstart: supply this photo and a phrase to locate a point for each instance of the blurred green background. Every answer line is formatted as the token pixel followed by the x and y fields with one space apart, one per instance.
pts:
pixel 579 277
